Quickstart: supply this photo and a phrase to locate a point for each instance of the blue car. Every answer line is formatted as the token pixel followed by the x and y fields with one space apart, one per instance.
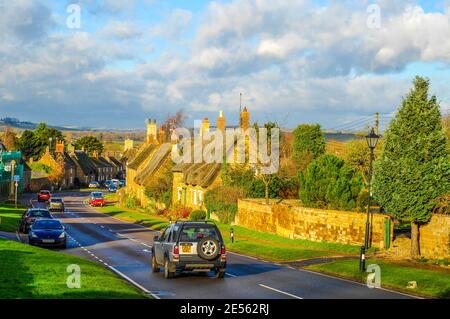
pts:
pixel 47 232
pixel 112 188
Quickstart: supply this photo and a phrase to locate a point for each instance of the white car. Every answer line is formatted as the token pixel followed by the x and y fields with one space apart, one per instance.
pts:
pixel 94 185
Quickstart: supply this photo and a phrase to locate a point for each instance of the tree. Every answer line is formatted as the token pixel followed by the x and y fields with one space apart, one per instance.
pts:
pixel 89 144
pixel 43 134
pixel 29 145
pixel 9 139
pixel 414 168
pixel 357 155
pixel 446 124
pixel 309 143
pixel 330 183
pixel 172 122
pixel 56 175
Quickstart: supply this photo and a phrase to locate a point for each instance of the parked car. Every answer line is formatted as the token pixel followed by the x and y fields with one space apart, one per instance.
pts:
pixel 30 216
pixel 112 188
pixel 96 199
pixel 94 185
pixel 47 232
pixel 115 182
pixel 122 183
pixel 107 183
pixel 44 196
pixel 189 246
pixel 56 204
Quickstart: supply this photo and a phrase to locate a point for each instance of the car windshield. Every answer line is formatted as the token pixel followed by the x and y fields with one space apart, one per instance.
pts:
pixel 45 192
pixel 47 224
pixel 39 213
pixel 56 200
pixel 97 195
pixel 196 233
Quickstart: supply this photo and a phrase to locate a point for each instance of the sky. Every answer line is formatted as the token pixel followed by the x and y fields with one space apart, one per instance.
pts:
pixel 335 63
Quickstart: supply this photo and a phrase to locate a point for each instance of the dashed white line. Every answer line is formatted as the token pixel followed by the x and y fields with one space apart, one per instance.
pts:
pixel 231 275
pixel 280 291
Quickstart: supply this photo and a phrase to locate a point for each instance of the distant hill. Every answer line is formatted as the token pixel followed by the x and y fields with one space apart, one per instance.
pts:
pixel 24 125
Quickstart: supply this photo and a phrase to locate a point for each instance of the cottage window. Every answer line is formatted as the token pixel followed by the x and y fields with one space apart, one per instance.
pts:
pixel 195 197
pixel 200 198
pixel 179 193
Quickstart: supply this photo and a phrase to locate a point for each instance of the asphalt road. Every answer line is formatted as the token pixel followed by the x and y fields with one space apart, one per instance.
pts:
pixel 125 248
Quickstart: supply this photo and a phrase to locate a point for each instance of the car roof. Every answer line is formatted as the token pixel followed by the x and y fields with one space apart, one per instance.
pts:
pixel 44 190
pixel 36 208
pixel 191 223
pixel 47 219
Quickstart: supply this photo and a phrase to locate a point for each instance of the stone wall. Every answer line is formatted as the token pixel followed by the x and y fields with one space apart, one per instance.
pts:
pixel 435 237
pixel 294 221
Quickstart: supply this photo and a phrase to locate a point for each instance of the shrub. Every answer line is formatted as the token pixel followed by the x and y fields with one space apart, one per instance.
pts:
pixel 197 215
pixel 223 201
pixel 180 213
pixel 330 183
pixel 131 202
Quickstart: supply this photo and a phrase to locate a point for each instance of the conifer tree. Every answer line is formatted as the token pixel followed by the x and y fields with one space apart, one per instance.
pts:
pixel 414 168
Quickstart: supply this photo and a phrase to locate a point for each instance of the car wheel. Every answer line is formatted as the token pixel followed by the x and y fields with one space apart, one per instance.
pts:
pixel 155 266
pixel 167 273
pixel 208 248
pixel 220 273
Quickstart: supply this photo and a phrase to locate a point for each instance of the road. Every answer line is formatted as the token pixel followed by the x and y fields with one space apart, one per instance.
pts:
pixel 125 248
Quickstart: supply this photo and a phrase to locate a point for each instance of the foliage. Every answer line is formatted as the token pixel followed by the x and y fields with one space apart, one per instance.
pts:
pixel 330 183
pixel 442 205
pixel 9 139
pixel 89 144
pixel 223 200
pixel 357 155
pixel 32 144
pixel 198 215
pixel 131 202
pixel 414 168
pixel 161 189
pixel 446 124
pixel 309 144
pixel 36 166
pixel 56 175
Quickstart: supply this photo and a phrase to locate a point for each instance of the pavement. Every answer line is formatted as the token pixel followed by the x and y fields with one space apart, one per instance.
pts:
pixel 125 249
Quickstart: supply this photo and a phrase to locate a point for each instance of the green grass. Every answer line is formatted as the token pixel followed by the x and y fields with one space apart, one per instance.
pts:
pixel 249 242
pixel 10 217
pixel 31 272
pixel 430 283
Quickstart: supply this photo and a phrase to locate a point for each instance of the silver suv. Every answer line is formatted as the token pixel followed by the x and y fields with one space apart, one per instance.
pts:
pixel 189 246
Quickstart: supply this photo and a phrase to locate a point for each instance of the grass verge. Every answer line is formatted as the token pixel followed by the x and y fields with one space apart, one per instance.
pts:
pixel 430 283
pixel 10 217
pixel 246 241
pixel 31 272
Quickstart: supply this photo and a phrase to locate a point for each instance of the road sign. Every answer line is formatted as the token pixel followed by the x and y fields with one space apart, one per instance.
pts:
pixel 16 178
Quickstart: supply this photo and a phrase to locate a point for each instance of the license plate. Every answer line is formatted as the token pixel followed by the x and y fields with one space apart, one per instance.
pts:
pixel 186 249
pixel 48 241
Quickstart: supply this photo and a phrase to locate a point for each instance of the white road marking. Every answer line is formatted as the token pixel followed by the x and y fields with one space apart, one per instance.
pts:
pixel 134 283
pixel 231 275
pixel 280 291
pixel 146 250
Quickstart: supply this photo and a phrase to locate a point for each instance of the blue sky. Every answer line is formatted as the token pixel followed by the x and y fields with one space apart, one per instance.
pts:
pixel 295 61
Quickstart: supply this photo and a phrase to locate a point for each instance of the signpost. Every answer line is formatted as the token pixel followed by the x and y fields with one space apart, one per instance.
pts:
pixel 16 184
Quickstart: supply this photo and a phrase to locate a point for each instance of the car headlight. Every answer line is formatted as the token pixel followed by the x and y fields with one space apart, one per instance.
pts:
pixel 62 235
pixel 34 235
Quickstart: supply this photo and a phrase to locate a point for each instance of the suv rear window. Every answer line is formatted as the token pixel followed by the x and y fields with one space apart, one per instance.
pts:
pixel 56 200
pixel 45 192
pixel 39 213
pixel 196 233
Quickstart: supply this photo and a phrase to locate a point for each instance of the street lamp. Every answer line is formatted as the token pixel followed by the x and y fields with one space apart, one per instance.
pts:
pixel 50 140
pixel 372 140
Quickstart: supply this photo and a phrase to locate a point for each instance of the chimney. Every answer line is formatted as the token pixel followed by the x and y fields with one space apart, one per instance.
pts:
pixel 205 126
pixel 244 119
pixel 128 145
pixel 162 136
pixel 221 123
pixel 59 148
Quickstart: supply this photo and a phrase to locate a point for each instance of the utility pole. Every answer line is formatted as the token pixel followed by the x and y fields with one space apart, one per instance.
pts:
pixel 377 122
pixel 11 189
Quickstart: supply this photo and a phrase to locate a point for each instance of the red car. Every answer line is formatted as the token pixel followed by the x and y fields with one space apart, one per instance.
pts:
pixel 97 199
pixel 44 196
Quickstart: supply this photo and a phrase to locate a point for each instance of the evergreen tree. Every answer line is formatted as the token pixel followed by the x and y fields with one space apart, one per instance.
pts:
pixel 414 168
pixel 330 183
pixel 89 144
pixel 309 143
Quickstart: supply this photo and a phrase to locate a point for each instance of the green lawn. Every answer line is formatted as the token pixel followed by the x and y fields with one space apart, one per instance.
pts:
pixel 31 272
pixel 247 241
pixel 10 217
pixel 430 283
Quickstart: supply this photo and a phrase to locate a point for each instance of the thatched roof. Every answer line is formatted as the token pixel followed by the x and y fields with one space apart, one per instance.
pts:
pixel 141 156
pixel 202 174
pixel 158 157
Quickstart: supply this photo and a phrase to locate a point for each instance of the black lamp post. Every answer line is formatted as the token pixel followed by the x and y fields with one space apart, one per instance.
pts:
pixel 372 140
